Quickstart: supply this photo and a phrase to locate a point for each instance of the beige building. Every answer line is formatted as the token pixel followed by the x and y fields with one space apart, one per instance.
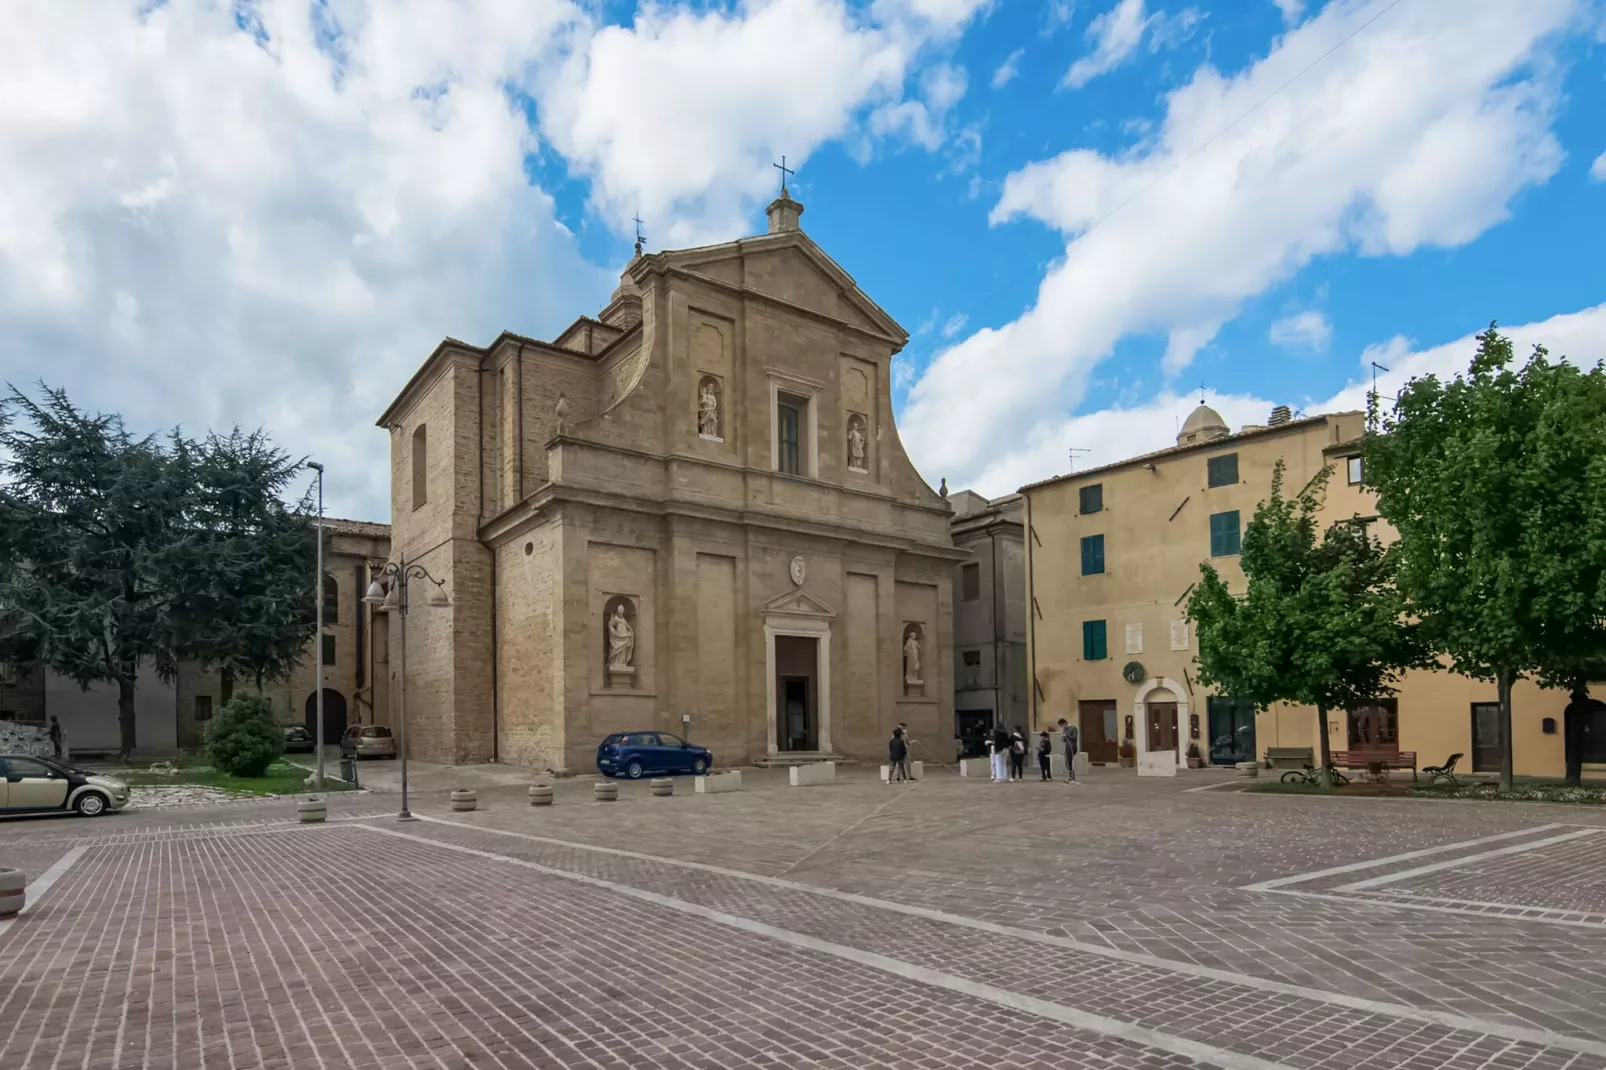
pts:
pixel 989 618
pixel 1114 554
pixel 691 514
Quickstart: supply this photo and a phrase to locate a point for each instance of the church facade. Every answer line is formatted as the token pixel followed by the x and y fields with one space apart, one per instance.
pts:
pixel 691 514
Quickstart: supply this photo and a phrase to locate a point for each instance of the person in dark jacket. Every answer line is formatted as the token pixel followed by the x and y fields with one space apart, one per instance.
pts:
pixel 898 757
pixel 1045 750
pixel 1017 755
pixel 1000 755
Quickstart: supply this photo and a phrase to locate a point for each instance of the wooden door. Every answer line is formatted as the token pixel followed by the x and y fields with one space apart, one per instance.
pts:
pixel 1485 737
pixel 1101 735
pixel 1163 726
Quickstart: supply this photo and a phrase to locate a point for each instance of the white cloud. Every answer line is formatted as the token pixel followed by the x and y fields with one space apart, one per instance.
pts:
pixel 1597 170
pixel 1291 9
pixel 275 225
pixel 1309 332
pixel 955 324
pixel 1382 148
pixel 1008 69
pixel 1124 431
pixel 1117 33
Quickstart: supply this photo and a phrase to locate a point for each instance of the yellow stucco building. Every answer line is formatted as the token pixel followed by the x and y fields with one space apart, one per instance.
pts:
pixel 1114 552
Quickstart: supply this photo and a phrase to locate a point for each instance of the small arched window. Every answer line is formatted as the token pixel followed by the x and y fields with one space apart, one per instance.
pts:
pixel 420 465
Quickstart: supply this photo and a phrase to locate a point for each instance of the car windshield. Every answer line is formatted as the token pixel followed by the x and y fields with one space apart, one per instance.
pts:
pixel 377 732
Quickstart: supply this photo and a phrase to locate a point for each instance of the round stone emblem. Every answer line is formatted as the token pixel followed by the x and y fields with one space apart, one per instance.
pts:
pixel 797 570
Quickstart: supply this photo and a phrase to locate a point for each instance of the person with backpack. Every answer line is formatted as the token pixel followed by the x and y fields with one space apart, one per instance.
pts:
pixel 1068 738
pixel 1017 755
pixel 999 746
pixel 1045 750
pixel 897 757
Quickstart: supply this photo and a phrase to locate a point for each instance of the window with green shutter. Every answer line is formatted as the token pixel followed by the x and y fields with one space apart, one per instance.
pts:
pixel 1224 534
pixel 1095 645
pixel 1223 470
pixel 1092 498
pixel 1092 555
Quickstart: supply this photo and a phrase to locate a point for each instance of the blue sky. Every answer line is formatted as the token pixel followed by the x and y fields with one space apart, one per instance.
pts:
pixel 1082 211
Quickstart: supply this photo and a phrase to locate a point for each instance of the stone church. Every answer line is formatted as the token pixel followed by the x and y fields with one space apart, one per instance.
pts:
pixel 691 514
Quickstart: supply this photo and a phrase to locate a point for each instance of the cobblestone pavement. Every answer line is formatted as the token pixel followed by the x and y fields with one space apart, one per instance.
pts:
pixel 950 923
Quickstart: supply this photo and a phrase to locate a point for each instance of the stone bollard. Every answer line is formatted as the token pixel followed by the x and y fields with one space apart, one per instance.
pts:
pixel 605 791
pixel 312 809
pixel 464 800
pixel 1249 769
pixel 540 794
pixel 663 786
pixel 13 892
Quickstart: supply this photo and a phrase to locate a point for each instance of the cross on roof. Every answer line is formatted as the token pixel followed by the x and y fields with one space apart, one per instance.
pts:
pixel 785 171
pixel 639 238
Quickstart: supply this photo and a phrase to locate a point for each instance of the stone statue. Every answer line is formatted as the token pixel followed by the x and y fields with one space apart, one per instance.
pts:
pixel 708 410
pixel 856 458
pixel 621 642
pixel 911 658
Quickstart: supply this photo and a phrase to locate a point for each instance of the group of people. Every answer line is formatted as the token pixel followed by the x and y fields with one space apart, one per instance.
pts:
pixel 898 754
pixel 1008 751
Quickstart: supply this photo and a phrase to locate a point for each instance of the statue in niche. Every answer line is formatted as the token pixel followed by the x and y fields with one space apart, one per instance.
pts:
pixel 621 641
pixel 708 409
pixel 911 656
pixel 857 444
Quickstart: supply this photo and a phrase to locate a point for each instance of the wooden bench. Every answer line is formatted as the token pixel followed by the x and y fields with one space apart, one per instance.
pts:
pixel 1364 757
pixel 1290 757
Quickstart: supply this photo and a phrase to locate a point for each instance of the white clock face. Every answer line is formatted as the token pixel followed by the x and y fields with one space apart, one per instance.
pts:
pixel 797 570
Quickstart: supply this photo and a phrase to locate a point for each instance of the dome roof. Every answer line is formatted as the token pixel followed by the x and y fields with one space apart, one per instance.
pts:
pixel 1202 424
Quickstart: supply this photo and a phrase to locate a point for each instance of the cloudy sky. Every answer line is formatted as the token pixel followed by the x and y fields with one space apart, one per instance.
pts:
pixel 267 212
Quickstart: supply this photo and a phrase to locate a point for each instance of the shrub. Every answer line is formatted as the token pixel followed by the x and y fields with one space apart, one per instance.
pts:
pixel 245 736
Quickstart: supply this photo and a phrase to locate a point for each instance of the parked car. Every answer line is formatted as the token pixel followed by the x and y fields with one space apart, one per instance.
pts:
pixel 297 738
pixel 635 754
pixel 367 741
pixel 35 785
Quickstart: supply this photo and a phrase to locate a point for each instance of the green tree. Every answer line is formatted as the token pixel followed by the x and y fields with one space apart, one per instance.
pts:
pixel 1319 623
pixel 1496 484
pixel 119 553
pixel 245 737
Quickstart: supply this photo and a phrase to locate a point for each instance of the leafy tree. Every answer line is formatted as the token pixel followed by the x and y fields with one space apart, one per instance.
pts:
pixel 245 737
pixel 1496 483
pixel 118 552
pixel 1319 624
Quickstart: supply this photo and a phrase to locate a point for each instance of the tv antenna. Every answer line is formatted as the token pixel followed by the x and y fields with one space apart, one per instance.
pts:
pixel 1073 451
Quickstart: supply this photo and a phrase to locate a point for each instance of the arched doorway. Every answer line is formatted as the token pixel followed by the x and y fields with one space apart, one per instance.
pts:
pixel 334 715
pixel 1160 709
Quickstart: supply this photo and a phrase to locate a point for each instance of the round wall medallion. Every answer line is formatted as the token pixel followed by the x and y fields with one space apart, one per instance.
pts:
pixel 1133 672
pixel 797 570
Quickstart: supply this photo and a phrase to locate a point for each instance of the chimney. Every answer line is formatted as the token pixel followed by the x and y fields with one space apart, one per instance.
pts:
pixel 1279 416
pixel 784 212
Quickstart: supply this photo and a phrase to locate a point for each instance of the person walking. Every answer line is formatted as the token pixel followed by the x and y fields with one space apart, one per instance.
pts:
pixel 1045 751
pixel 897 757
pixel 999 745
pixel 1017 755
pixel 58 739
pixel 1069 740
pixel 908 749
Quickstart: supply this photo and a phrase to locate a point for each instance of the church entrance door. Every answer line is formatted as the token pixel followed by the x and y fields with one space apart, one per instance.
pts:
pixel 797 726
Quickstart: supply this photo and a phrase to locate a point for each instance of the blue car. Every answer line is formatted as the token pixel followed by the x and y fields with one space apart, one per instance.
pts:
pixel 636 754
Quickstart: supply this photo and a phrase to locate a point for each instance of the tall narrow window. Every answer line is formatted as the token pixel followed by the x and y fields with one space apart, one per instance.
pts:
pixel 1353 464
pixel 1093 555
pixel 969 582
pixel 972 664
pixel 1225 538
pixel 328 650
pixel 1223 470
pixel 420 465
pixel 203 707
pixel 1095 641
pixel 331 599
pixel 789 413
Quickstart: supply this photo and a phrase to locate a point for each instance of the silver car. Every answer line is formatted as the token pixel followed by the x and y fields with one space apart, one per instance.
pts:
pixel 35 785
pixel 367 741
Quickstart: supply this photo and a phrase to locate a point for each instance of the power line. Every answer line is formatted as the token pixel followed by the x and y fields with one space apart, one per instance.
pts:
pixel 1212 139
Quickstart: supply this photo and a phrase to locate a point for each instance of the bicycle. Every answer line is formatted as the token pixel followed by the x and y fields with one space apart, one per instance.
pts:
pixel 1311 775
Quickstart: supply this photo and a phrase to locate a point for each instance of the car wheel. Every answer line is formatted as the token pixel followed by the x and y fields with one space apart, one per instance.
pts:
pixel 91 804
pixel 699 767
pixel 634 770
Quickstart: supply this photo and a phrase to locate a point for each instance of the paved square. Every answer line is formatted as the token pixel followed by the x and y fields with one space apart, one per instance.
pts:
pixel 950 923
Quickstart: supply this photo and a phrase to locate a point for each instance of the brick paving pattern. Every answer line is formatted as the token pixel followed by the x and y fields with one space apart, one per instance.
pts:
pixel 945 924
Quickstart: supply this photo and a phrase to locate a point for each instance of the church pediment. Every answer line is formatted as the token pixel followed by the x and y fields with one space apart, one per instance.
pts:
pixel 798 603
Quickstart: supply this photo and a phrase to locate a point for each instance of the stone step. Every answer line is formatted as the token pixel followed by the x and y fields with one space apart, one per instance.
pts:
pixel 796 757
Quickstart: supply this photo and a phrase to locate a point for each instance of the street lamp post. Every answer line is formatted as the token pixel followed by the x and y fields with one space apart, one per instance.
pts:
pixel 396 600
pixel 317 656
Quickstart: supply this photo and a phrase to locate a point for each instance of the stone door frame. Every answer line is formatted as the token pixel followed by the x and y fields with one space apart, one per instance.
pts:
pixel 1140 716
pixel 804 628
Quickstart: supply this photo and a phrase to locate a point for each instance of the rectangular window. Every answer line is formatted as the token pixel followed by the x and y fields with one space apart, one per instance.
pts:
pixel 789 412
pixel 1092 555
pixel 331 599
pixel 969 583
pixel 1224 534
pixel 1095 645
pixel 1092 498
pixel 972 664
pixel 203 707
pixel 420 465
pixel 328 650
pixel 1353 465
pixel 1223 470
pixel 1377 723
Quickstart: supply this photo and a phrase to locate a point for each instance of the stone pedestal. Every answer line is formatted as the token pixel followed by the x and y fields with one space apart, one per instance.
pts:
pixel 621 678
pixel 13 892
pixel 663 786
pixel 1081 763
pixel 310 811
pixel 540 794
pixel 1249 769
pixel 917 771
pixel 1157 763
pixel 716 783
pixel 976 767
pixel 813 774
pixel 464 799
